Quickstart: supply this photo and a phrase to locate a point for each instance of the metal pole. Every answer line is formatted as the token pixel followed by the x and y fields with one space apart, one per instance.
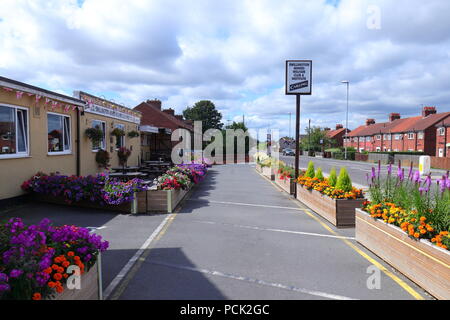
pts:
pixel 297 141
pixel 346 123
pixel 290 113
pixel 309 137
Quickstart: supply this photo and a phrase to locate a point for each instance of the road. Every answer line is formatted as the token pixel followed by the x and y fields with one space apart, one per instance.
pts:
pixel 357 170
pixel 239 237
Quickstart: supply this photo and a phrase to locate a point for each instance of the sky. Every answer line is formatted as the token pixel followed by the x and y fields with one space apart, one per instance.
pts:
pixel 395 54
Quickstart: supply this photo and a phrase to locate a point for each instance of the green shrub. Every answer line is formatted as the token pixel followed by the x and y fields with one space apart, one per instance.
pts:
pixel 332 179
pixel 319 174
pixel 344 182
pixel 310 172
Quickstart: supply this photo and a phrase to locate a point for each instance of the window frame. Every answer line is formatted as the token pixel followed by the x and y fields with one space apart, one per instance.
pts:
pixel 18 154
pixel 103 142
pixel 411 135
pixel 122 138
pixel 441 131
pixel 69 151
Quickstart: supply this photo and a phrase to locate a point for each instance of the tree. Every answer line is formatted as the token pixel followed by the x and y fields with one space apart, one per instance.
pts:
pixel 314 136
pixel 206 112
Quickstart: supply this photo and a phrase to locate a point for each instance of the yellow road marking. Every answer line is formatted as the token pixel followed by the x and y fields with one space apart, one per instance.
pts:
pixel 399 281
pixel 132 273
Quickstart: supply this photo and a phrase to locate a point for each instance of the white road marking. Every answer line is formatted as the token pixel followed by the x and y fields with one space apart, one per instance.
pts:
pixel 254 281
pixel 247 204
pixel 278 230
pixel 116 281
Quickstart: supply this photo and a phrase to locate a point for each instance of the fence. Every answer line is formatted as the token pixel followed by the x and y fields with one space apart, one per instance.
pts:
pixel 406 159
pixel 384 158
pixel 361 157
pixel 440 163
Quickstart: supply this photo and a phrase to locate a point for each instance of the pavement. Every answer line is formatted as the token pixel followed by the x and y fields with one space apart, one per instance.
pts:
pixel 356 169
pixel 236 237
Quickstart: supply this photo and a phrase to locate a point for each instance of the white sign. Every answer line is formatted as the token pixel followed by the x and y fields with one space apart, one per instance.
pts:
pixel 299 77
pixel 108 112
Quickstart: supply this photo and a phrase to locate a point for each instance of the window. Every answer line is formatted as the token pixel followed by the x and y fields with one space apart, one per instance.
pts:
pixel 378 136
pixel 387 137
pixel 13 131
pixel 420 135
pixel 120 141
pixel 441 131
pixel 398 136
pixel 410 135
pixel 102 126
pixel 59 135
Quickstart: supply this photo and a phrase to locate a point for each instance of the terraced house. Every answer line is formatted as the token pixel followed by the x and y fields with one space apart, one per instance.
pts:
pixel 399 135
pixel 443 138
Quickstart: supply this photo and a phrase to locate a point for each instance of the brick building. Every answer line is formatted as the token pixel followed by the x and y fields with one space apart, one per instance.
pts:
pixel 157 125
pixel 443 138
pixel 408 134
pixel 337 135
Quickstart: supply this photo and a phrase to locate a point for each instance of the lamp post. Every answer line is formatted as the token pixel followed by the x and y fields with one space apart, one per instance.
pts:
pixel 346 118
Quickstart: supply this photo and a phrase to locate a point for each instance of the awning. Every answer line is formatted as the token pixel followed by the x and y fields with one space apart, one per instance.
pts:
pixel 148 129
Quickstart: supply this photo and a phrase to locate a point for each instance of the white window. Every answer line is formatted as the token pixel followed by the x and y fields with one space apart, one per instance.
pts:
pixel 398 136
pixel 13 131
pixel 420 135
pixel 441 153
pixel 378 136
pixel 410 135
pixel 120 141
pixel 102 126
pixel 441 131
pixel 58 133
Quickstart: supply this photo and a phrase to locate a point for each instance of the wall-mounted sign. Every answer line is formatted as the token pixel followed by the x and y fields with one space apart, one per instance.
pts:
pixel 299 77
pixel 104 111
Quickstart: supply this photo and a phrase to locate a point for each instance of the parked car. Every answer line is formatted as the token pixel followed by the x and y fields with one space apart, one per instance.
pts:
pixel 288 152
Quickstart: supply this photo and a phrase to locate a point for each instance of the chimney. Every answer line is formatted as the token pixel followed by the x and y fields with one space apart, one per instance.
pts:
pixel 179 117
pixel 327 129
pixel 339 126
pixel 394 116
pixel 189 122
pixel 426 111
pixel 155 103
pixel 370 121
pixel 169 111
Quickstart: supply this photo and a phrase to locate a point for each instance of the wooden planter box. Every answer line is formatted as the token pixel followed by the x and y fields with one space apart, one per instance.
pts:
pixel 421 261
pixel 163 200
pixel 89 287
pixel 283 184
pixel 340 212
pixel 138 205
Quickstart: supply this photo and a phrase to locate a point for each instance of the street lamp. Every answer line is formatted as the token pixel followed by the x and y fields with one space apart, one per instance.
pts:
pixel 346 117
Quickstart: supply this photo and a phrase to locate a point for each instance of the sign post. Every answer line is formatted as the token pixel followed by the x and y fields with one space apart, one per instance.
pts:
pixel 298 82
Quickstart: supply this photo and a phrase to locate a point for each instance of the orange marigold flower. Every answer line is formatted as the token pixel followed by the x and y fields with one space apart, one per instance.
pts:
pixel 65 264
pixel 51 284
pixel 59 289
pixel 37 296
pixel 416 235
pixel 70 254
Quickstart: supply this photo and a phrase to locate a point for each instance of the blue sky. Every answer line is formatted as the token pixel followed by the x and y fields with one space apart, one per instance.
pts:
pixel 396 54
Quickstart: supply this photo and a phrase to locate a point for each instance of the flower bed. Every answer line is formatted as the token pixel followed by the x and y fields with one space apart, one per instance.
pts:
pixel 335 199
pixel 91 191
pixel 37 260
pixel 407 224
pixel 173 186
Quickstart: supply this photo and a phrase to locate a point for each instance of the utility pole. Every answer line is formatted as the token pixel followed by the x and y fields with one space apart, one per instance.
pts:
pixel 309 137
pixel 346 121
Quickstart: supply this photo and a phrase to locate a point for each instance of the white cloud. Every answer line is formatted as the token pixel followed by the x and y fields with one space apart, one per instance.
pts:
pixel 233 53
